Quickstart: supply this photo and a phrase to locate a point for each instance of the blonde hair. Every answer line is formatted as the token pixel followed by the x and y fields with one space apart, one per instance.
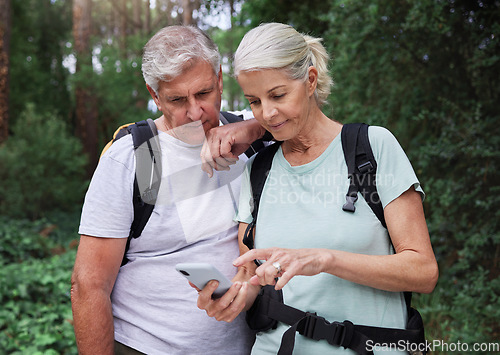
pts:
pixel 280 46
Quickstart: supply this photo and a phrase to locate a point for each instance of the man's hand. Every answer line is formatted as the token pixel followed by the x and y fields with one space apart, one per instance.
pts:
pixel 225 143
pixel 237 299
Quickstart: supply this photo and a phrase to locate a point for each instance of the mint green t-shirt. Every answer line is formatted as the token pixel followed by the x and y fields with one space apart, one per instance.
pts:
pixel 301 207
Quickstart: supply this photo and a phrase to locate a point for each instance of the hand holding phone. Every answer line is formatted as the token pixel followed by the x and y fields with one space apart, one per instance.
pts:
pixel 200 274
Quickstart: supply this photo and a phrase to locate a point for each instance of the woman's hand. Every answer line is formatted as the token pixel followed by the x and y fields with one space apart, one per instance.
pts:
pixel 223 144
pixel 413 267
pixel 220 150
pixel 283 264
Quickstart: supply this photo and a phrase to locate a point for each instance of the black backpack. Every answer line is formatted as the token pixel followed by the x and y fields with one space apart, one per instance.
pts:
pixel 148 162
pixel 269 308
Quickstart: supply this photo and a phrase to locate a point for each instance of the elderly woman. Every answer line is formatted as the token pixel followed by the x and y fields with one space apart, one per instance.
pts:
pixel 343 266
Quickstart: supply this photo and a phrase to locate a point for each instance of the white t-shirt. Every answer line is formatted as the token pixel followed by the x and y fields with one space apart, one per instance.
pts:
pixel 154 307
pixel 301 207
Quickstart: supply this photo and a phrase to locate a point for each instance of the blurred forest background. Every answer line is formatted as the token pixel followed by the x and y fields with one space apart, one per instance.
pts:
pixel 70 74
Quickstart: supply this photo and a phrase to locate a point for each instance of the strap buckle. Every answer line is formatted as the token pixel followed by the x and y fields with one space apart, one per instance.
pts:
pixel 316 327
pixel 349 204
pixel 366 167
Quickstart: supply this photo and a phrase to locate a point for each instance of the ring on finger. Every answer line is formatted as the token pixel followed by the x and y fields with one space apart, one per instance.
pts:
pixel 277 266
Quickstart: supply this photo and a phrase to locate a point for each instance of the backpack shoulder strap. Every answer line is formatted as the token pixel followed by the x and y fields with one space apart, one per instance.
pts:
pixel 258 175
pixel 148 174
pixel 349 138
pixel 227 117
pixel 361 169
pixel 141 131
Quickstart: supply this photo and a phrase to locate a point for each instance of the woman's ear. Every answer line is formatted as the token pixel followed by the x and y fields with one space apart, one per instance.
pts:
pixel 312 80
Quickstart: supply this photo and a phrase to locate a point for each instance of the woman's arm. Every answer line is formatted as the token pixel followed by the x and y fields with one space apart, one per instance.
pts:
pixel 223 144
pixel 412 268
pixel 239 297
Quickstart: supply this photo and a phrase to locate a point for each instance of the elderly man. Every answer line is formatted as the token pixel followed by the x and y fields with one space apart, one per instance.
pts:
pixel 145 306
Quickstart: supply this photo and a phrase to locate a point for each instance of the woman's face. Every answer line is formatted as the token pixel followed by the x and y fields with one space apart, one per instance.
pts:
pixel 280 104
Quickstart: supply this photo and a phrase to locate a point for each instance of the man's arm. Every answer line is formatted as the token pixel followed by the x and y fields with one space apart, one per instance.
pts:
pixel 96 267
pixel 225 143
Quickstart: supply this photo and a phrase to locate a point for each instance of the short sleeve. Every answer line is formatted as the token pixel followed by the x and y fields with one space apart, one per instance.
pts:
pixel 245 204
pixel 108 209
pixel 395 174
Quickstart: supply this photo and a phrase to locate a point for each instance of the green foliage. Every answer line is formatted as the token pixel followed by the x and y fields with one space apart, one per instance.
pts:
pixel 36 265
pixel 306 16
pixel 394 60
pixel 455 312
pixel 41 166
pixel 121 90
pixel 21 240
pixel 116 83
pixel 35 316
pixel 463 206
pixel 40 33
pixel 227 42
pixel 62 225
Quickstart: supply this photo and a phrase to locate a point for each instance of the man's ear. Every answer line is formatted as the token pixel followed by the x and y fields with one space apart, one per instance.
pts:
pixel 154 96
pixel 221 81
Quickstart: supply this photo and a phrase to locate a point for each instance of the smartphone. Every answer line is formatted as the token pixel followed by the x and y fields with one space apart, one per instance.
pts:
pixel 200 274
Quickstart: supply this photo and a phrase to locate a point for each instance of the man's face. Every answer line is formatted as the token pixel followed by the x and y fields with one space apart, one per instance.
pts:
pixel 191 102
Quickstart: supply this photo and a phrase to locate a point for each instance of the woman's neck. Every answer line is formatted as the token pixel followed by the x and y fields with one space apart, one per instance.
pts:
pixel 312 141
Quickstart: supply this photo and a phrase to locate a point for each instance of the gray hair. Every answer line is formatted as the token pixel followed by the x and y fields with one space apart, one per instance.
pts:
pixel 280 46
pixel 172 48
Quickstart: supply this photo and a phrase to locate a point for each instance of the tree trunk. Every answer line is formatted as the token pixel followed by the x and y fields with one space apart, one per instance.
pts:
pixel 5 24
pixel 137 16
pixel 232 93
pixel 187 13
pixel 86 108
pixel 123 27
pixel 147 18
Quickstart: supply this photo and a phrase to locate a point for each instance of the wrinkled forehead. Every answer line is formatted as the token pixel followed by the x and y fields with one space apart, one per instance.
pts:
pixel 195 77
pixel 187 66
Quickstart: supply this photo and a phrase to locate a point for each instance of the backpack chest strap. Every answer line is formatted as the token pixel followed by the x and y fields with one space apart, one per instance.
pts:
pixel 345 334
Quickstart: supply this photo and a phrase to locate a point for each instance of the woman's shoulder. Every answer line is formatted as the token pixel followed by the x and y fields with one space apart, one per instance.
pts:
pixel 379 132
pixel 385 145
pixel 381 137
